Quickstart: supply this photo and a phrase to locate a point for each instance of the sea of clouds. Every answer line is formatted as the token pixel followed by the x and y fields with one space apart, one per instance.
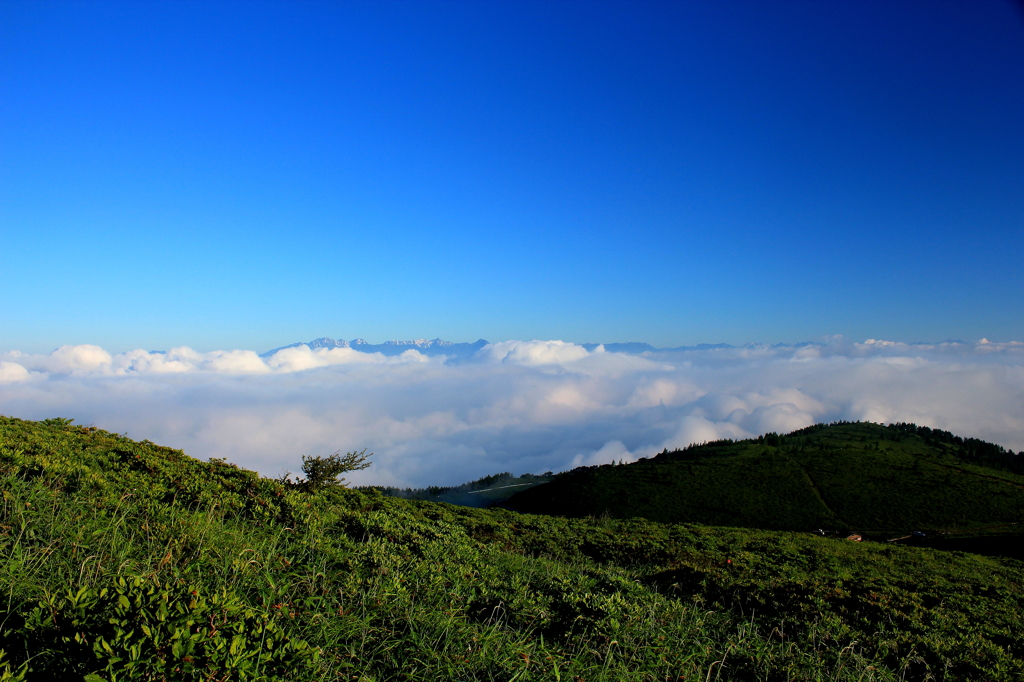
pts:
pixel 520 406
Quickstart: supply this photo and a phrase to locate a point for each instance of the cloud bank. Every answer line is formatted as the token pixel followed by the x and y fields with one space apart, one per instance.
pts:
pixel 515 406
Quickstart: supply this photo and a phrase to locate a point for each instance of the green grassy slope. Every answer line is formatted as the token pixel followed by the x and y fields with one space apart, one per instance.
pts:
pixel 864 477
pixel 122 560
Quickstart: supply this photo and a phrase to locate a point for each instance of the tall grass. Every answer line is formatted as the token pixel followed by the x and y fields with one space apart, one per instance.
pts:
pixel 152 566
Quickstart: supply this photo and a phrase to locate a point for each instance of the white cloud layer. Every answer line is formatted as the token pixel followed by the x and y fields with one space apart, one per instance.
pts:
pixel 515 406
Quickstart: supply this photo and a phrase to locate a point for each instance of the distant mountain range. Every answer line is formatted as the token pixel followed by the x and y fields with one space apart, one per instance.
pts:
pixel 462 349
pixel 424 346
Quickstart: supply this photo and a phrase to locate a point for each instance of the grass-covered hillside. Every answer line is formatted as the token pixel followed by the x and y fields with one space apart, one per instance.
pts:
pixel 888 480
pixel 124 560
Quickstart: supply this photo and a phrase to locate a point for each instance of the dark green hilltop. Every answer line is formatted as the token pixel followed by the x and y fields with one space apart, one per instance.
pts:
pixel 125 560
pixel 882 481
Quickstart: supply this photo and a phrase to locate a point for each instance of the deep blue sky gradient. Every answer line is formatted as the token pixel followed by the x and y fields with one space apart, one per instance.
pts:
pixel 228 175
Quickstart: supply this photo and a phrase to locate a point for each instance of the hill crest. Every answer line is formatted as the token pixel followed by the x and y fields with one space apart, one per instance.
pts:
pixel 846 475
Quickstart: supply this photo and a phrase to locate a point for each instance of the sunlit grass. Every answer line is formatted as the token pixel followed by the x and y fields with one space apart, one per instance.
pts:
pixel 99 536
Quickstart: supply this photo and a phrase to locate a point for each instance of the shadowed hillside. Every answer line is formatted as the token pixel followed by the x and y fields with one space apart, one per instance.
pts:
pixel 854 476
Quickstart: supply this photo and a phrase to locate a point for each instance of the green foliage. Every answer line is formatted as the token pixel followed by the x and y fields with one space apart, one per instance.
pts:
pixel 124 560
pixel 323 472
pixel 865 477
pixel 140 629
pixel 968 449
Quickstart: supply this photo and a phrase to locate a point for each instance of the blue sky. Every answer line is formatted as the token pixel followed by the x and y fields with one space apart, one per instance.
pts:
pixel 245 175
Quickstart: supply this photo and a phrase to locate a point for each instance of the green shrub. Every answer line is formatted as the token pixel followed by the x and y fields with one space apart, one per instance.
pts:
pixel 140 629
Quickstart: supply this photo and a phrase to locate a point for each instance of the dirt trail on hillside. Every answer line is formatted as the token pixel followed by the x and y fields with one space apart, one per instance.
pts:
pixel 815 488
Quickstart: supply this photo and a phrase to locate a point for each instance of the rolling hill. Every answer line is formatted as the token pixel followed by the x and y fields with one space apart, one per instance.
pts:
pixel 861 477
pixel 126 560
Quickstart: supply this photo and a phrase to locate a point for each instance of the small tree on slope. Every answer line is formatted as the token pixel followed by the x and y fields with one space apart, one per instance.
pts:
pixel 323 472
